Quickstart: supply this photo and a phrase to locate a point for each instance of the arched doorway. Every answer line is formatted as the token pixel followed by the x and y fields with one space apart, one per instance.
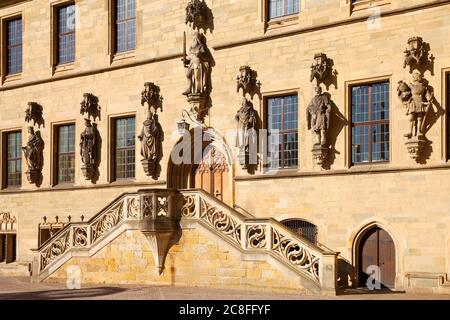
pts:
pixel 207 167
pixel 376 248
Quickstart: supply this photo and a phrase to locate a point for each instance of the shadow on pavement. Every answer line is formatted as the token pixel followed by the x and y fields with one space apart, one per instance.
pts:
pixel 61 294
pixel 366 291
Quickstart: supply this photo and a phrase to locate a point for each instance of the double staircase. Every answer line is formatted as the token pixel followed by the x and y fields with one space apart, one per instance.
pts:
pixel 314 266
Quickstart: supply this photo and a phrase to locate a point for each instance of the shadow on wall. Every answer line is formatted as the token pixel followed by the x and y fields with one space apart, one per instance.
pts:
pixel 346 274
pixel 337 123
pixel 432 115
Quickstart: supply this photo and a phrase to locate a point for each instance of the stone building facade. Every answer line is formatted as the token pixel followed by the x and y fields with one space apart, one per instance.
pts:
pixel 365 188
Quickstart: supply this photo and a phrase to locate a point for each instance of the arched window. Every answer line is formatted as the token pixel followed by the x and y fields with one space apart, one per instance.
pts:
pixel 302 228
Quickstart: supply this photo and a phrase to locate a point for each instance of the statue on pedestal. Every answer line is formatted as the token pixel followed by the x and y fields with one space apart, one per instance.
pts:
pixel 198 64
pixel 33 153
pixel 89 149
pixel 247 119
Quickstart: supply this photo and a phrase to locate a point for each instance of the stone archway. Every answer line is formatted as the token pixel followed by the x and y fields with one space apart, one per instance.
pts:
pixel 208 166
pixel 375 249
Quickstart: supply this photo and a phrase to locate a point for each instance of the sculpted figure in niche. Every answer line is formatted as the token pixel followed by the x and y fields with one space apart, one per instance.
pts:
pixel 416 96
pixel 88 145
pixel 246 119
pixel 318 116
pixel 151 137
pixel 198 66
pixel 33 150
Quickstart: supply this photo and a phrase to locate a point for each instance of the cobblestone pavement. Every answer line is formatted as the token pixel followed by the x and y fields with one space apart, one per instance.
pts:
pixel 21 288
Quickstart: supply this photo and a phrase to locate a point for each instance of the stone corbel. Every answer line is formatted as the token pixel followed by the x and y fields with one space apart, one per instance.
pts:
pixel 160 211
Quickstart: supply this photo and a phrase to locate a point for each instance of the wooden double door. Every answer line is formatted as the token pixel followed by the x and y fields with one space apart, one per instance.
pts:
pixel 210 175
pixel 377 248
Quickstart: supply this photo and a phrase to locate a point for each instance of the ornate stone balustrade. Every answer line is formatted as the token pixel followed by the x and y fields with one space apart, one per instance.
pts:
pixel 157 214
pixel 261 235
pixel 88 234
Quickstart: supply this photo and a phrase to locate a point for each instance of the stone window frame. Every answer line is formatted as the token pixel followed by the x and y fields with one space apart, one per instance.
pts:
pixel 115 56
pixel 264 113
pixel 4 77
pixel 279 22
pixel 54 154
pixel 4 167
pixel 56 67
pixel 348 114
pixel 111 146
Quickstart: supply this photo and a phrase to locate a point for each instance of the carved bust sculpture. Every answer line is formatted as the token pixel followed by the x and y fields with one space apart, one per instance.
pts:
pixel 246 119
pixel 416 97
pixel 198 66
pixel 318 116
pixel 151 137
pixel 88 145
pixel 33 154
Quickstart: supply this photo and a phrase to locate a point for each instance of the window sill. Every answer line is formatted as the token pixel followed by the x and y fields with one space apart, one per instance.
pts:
pixel 12 77
pixel 281 22
pixel 63 67
pixel 123 56
pixel 12 188
pixel 364 5
pixel 280 172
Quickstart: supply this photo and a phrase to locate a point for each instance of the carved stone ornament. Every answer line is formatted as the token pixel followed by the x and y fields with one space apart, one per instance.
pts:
pixel 34 113
pixel 246 139
pixel 151 137
pixel 198 63
pixel 247 81
pixel 7 222
pixel 90 106
pixel 33 153
pixel 415 147
pixel 417 55
pixel 318 121
pixel 161 222
pixel 417 97
pixel 89 149
pixel 196 13
pixel 151 96
pixel 321 69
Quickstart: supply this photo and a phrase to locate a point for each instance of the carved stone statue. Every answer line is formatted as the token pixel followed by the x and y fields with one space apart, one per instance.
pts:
pixel 151 137
pixel 90 105
pixel 416 97
pixel 34 112
pixel 89 149
pixel 198 66
pixel 34 155
pixel 247 120
pixel 318 116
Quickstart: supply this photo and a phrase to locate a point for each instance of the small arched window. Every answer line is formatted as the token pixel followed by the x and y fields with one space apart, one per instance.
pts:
pixel 302 228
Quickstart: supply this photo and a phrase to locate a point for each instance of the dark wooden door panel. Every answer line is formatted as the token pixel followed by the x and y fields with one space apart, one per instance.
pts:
pixel 377 249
